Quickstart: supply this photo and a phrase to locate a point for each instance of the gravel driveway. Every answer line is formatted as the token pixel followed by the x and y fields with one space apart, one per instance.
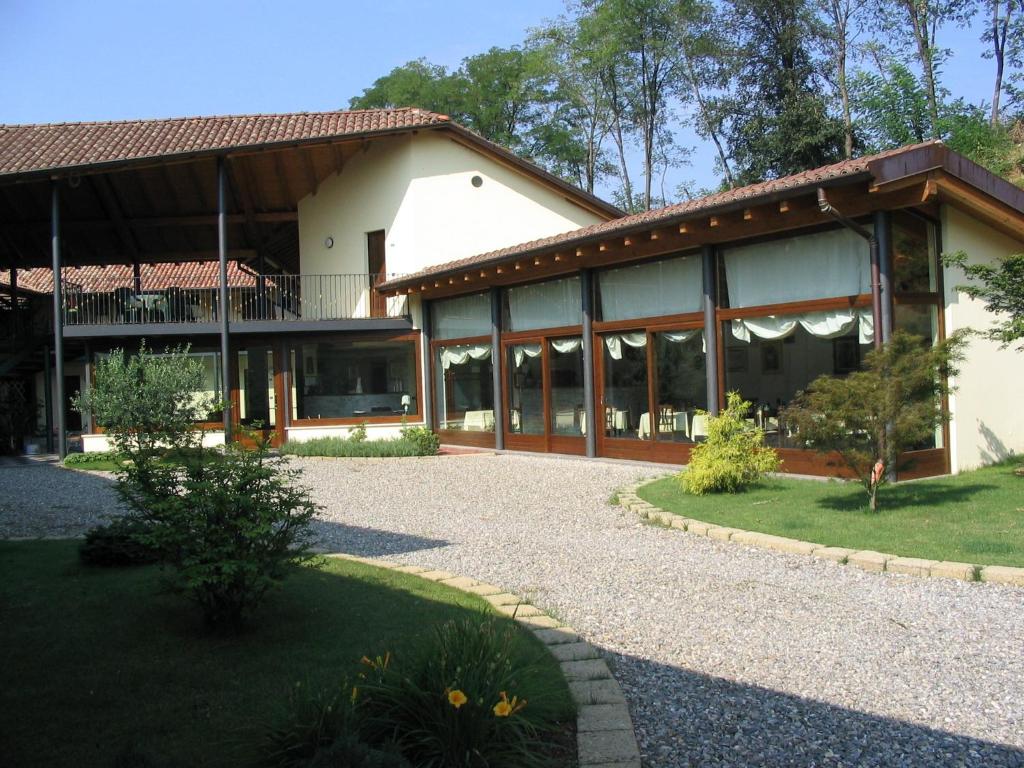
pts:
pixel 727 655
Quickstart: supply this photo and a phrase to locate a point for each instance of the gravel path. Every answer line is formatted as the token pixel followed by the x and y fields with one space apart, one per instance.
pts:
pixel 728 655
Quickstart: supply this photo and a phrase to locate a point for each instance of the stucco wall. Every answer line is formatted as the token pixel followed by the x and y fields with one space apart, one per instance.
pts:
pixel 988 420
pixel 419 190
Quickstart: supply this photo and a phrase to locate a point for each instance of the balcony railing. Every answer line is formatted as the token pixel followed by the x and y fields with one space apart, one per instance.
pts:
pixel 285 298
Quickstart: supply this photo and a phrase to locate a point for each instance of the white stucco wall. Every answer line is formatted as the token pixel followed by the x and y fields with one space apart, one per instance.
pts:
pixel 373 431
pixel 418 190
pixel 988 421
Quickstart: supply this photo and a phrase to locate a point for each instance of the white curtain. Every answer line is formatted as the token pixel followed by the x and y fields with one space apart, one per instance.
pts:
pixel 822 265
pixel 461 355
pixel 553 304
pixel 615 341
pixel 462 317
pixel 566 346
pixel 523 351
pixel 678 337
pixel 668 287
pixel 829 324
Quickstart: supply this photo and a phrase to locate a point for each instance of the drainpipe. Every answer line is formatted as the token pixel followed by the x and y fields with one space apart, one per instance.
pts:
pixel 876 282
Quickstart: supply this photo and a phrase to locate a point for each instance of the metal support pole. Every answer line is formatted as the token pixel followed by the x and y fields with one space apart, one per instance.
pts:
pixel 499 406
pixel 136 277
pixel 710 327
pixel 222 252
pixel 48 398
pixel 426 329
pixel 58 320
pixel 884 239
pixel 590 406
pixel 15 308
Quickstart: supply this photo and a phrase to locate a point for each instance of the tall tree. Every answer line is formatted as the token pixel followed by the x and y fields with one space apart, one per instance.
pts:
pixel 778 121
pixel 1003 32
pixel 842 18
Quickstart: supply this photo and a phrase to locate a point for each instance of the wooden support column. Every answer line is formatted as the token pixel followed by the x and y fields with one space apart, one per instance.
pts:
pixel 426 325
pixel 222 253
pixel 710 326
pixel 587 297
pixel 883 234
pixel 499 406
pixel 58 319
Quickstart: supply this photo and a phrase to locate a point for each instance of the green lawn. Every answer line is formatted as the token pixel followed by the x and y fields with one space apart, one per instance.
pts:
pixel 975 517
pixel 96 661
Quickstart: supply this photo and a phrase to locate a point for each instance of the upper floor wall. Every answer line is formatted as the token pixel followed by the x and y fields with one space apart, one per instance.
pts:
pixel 435 199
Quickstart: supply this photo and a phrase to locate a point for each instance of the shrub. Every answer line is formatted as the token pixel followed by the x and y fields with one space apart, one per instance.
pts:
pixel 232 523
pixel 459 704
pixel 734 455
pixel 118 543
pixel 93 457
pixel 425 439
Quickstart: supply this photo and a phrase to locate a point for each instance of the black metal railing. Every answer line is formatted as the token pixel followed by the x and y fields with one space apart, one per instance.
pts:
pixel 123 301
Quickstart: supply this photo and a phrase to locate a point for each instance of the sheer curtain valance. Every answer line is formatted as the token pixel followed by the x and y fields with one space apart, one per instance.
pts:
pixel 615 341
pixel 829 324
pixel 655 289
pixel 463 354
pixel 461 317
pixel 818 266
pixel 553 304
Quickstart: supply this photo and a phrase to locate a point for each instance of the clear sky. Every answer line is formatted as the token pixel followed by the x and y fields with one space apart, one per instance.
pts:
pixel 113 59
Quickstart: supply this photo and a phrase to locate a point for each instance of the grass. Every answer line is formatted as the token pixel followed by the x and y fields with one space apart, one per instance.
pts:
pixel 365 449
pixel 98 461
pixel 974 517
pixel 101 662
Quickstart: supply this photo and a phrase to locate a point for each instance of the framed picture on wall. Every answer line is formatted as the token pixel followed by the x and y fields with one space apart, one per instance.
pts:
pixel 736 359
pixel 845 354
pixel 771 357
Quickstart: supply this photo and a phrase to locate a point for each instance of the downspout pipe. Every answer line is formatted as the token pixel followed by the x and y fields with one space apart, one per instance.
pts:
pixel 876 280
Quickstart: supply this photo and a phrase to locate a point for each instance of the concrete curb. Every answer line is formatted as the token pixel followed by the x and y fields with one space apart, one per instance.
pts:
pixel 604 729
pixel 875 562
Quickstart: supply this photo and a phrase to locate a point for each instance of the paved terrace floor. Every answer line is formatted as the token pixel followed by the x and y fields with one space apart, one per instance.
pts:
pixel 728 655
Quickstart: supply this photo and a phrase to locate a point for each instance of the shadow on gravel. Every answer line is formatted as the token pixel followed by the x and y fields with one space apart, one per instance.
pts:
pixel 684 718
pixel 369 542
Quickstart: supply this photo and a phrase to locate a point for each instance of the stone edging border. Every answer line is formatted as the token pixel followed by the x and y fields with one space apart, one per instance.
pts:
pixel 604 730
pixel 868 560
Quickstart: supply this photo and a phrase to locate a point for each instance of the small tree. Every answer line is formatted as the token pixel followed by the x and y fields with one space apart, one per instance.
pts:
pixel 1001 287
pixel 148 402
pixel 871 416
pixel 734 455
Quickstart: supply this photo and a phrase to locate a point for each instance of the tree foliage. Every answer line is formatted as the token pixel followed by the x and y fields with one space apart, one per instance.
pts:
pixel 1001 287
pixel 871 416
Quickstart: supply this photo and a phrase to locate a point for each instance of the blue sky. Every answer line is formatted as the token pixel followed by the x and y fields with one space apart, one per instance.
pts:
pixel 114 59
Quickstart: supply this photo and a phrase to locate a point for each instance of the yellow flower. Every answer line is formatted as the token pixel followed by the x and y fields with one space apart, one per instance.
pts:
pixel 505 708
pixel 457 698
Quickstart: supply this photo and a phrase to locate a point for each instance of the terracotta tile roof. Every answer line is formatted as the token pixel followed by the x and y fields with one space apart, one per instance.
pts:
pixel 678 212
pixel 47 147
pixel 154 277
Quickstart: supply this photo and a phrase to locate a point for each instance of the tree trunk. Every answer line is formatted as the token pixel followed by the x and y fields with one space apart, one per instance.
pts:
pixel 691 79
pixel 844 95
pixel 924 53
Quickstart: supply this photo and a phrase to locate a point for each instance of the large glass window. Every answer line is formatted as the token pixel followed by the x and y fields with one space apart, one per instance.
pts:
pixel 682 384
pixel 815 266
pixel 462 317
pixel 333 379
pixel 768 360
pixel 568 411
pixel 625 383
pixel 554 304
pixel 256 402
pixel 653 289
pixel 464 387
pixel 525 366
pixel 921 320
pixel 211 391
pixel 913 254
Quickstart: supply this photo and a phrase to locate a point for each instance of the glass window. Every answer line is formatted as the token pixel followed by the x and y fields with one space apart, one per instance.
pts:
pixel 654 289
pixel 568 408
pixel 816 266
pixel 462 317
pixel 681 383
pixel 212 389
pixel 464 387
pixel 625 384
pixel 334 379
pixel 913 254
pixel 919 319
pixel 554 304
pixel 525 366
pixel 768 360
pixel 256 401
